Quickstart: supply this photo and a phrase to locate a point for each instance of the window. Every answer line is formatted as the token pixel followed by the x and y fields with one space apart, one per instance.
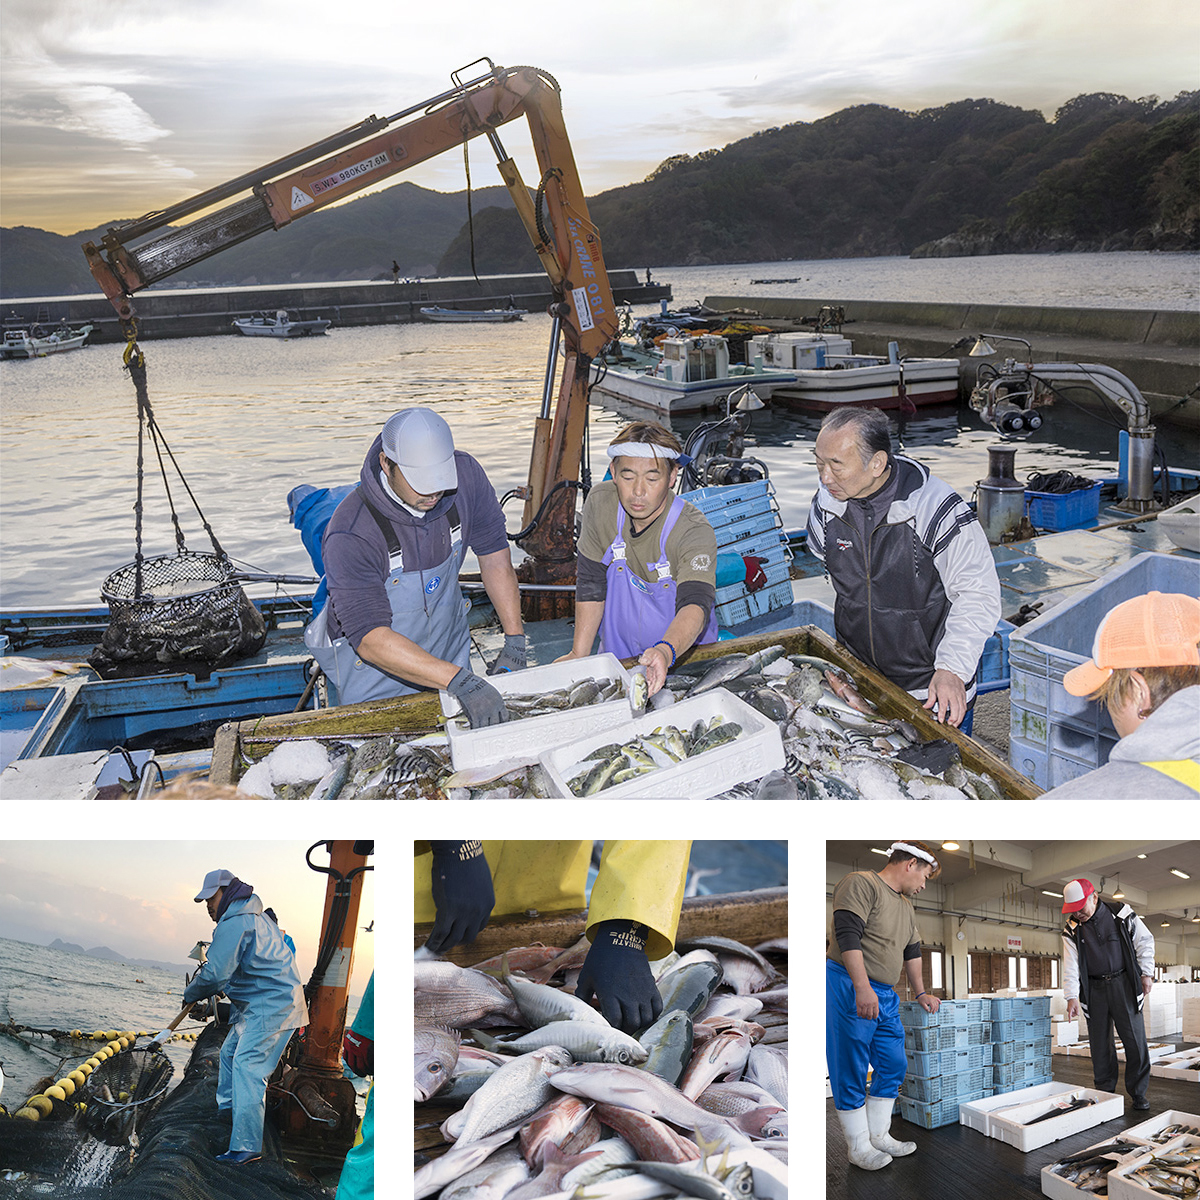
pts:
pixel 1012 972
pixel 935 970
pixel 1024 972
pixel 1054 973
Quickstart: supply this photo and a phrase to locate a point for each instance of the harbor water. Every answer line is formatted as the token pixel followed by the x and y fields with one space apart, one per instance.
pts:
pixel 249 419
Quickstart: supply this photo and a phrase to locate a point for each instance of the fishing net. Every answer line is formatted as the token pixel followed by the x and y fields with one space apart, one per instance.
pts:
pixel 186 607
pixel 121 1093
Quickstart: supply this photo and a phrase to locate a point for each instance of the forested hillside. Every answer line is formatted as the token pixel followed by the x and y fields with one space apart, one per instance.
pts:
pixel 972 177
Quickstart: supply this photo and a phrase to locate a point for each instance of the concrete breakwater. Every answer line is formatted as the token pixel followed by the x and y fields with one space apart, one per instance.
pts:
pixel 1159 350
pixel 200 312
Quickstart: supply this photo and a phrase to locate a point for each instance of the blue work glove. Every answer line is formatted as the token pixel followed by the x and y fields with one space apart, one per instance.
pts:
pixel 617 973
pixel 512 657
pixel 480 701
pixel 462 893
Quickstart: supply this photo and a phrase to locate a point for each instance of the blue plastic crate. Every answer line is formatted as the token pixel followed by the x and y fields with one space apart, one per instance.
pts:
pixel 930 1089
pixel 1012 1052
pixel 1020 1074
pixel 993 673
pixel 948 1062
pixel 912 1015
pixel 1026 1083
pixel 1063 510
pixel 1021 1030
pixel 1033 1007
pixel 944 1112
pixel 945 1037
pixel 960 1012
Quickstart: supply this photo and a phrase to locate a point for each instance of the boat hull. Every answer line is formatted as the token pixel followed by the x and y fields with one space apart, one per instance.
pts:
pixel 468 316
pixel 672 397
pixel 822 389
pixel 40 347
pixel 252 327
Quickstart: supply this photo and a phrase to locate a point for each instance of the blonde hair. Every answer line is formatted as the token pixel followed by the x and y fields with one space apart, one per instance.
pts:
pixel 1162 682
pixel 648 433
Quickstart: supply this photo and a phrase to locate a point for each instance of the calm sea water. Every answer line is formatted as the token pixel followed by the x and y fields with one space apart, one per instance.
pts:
pixel 249 419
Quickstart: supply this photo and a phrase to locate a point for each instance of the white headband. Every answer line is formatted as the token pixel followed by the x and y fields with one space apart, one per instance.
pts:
pixel 914 850
pixel 640 450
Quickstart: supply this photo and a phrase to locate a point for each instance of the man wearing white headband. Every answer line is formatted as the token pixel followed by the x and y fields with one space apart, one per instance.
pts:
pixel 646 570
pixel 874 938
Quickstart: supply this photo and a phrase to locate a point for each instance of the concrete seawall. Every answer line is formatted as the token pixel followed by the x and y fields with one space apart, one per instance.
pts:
pixel 200 312
pixel 1159 350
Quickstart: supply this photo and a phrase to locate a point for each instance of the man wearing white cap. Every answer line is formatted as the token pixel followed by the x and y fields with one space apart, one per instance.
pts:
pixel 396 621
pixel 249 963
pixel 647 563
pixel 874 938
pixel 1108 967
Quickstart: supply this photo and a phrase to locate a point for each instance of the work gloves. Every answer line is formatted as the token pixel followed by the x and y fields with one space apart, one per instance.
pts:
pixel 480 701
pixel 512 657
pixel 359 1052
pixel 462 893
pixel 756 577
pixel 617 974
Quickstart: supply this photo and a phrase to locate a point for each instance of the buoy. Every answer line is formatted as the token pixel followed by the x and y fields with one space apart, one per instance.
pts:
pixel 99 1036
pixel 122 1095
pixel 77 1077
pixel 66 1085
pixel 115 1047
pixel 82 1106
pixel 55 1092
pixel 75 1033
pixel 26 1114
pixel 42 1104
pixel 92 1063
pixel 124 1042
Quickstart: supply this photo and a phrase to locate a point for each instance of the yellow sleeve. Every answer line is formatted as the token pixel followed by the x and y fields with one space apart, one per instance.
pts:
pixel 643 882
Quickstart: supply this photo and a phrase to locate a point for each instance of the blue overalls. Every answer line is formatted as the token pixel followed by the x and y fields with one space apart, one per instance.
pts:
pixel 637 613
pixel 852 1043
pixel 427 608
pixel 357 1181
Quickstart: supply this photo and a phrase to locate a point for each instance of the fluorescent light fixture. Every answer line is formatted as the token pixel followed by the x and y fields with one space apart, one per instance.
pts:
pixel 1164 924
pixel 876 850
pixel 1141 856
pixel 1046 893
pixel 1181 874
pixel 949 845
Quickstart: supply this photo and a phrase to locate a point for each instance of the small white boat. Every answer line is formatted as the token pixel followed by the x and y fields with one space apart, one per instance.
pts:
pixel 688 374
pixel 31 342
pixel 281 325
pixel 434 313
pixel 1182 524
pixel 829 375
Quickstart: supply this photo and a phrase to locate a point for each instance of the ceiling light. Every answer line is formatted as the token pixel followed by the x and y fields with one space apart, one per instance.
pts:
pixel 1181 874
pixel 949 845
pixel 1118 894
pixel 1165 924
pixel 1058 894
pixel 1141 856
pixel 1196 919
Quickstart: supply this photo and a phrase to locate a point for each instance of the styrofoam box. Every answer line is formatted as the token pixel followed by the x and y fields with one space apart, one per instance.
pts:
pixel 1065 1033
pixel 1011 1126
pixel 1148 1128
pixel 1058 1188
pixel 978 1114
pixel 755 753
pixel 1184 1066
pixel 1121 1187
pixel 526 739
pixel 1156 1050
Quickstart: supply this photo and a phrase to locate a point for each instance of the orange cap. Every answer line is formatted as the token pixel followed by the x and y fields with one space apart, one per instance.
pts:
pixel 1155 630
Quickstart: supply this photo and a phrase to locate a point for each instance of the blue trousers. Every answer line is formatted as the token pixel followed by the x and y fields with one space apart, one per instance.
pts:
pixel 852 1043
pixel 250 1053
pixel 358 1172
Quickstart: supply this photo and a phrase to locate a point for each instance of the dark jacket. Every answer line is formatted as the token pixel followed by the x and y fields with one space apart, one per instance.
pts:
pixel 1134 936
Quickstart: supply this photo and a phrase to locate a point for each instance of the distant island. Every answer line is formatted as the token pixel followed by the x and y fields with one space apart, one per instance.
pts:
pixel 968 178
pixel 111 955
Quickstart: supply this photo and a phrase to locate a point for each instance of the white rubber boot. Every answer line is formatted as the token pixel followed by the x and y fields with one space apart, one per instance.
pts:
pixel 879 1122
pixel 858 1140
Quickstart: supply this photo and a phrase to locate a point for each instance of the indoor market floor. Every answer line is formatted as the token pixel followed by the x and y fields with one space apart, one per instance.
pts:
pixel 954 1162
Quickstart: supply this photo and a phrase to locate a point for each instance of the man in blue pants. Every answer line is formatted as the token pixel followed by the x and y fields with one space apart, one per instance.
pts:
pixel 874 937
pixel 248 961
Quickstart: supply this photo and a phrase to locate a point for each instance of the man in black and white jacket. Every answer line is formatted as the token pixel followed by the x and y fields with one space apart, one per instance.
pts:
pixel 1108 967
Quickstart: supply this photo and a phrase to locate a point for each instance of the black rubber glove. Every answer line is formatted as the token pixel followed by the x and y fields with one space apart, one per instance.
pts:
pixel 617 973
pixel 462 893
pixel 513 657
pixel 480 701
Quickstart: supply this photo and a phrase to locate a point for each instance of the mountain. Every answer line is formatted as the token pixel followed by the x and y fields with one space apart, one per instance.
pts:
pixel 971 177
pixel 111 955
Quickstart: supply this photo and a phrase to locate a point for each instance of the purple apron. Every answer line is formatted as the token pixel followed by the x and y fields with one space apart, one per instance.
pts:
pixel 637 613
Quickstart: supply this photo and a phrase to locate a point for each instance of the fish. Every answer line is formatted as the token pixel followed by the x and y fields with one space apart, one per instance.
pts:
pixel 731 955
pixel 557 1120
pixel 649 1137
pixel 1060 1110
pixel 572 957
pixel 694 1180
pixel 689 988
pixel 719 671
pixel 456 1162
pixel 446 994
pixel 767 1065
pixel 435 1051
pixel 540 1005
pixel 511 1096
pixel 555 1165
pixel 631 1088
pixel 588 1041
pixel 491 1180
pixel 742 1007
pixel 734 1099
pixel 668 1045
pixel 520 958
pixel 723 1055
pixel 639 691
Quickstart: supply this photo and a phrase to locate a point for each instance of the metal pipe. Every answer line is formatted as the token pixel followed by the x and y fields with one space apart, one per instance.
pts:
pixel 551 366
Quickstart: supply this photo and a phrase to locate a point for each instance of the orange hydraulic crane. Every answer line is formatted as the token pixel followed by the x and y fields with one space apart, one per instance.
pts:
pixel 133 256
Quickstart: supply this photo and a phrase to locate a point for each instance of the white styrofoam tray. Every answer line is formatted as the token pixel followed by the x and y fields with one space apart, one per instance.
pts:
pixel 978 1113
pixel 1148 1128
pixel 1011 1126
pixel 755 753
pixel 524 740
pixel 1058 1188
pixel 1121 1187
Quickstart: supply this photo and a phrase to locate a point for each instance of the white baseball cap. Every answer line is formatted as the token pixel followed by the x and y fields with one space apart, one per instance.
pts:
pixel 419 442
pixel 1075 895
pixel 212 881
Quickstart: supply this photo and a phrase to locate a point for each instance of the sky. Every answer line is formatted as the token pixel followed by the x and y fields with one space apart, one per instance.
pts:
pixel 136 897
pixel 113 108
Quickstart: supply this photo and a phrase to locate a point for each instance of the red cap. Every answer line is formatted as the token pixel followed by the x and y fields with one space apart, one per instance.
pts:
pixel 1075 895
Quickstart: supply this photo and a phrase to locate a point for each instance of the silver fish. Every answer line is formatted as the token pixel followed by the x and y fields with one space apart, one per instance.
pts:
pixel 768 1067
pixel 511 1096
pixel 588 1041
pixel 435 1053
pixel 456 1162
pixel 668 1043
pixel 726 668
pixel 541 1005
pixel 446 994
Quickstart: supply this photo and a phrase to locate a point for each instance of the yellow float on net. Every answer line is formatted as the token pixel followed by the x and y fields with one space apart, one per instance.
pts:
pixel 42 1104
pixel 76 1034
pixel 91 1064
pixel 55 1092
pixel 26 1114
pixel 114 1046
pixel 78 1077
pixel 66 1085
pixel 99 1036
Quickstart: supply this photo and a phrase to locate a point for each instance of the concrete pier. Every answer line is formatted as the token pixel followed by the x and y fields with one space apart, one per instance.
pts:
pixel 1159 350
pixel 201 312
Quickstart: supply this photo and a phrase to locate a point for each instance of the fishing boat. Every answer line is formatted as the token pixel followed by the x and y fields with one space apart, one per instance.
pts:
pixel 279 325
pixel 472 316
pixel 32 342
pixel 688 373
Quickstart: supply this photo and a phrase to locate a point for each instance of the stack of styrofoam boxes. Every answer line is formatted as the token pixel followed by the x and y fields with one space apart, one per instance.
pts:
pixel 1020 1042
pixel 1191 1014
pixel 1161 1010
pixel 949 1060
